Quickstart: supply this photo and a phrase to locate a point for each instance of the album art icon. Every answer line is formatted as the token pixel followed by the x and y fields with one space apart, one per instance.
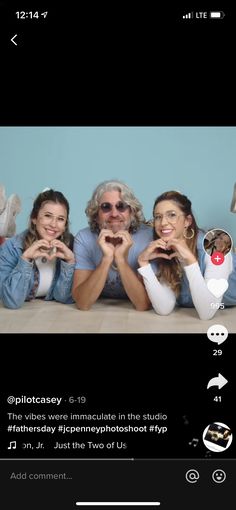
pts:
pixel 217 437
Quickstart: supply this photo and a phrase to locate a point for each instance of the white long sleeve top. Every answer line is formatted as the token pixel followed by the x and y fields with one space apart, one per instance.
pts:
pixel 163 298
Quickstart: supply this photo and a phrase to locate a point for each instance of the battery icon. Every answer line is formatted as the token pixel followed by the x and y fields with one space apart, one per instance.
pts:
pixel 217 15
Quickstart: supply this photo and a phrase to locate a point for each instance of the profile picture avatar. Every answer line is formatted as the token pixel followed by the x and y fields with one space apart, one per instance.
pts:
pixel 217 240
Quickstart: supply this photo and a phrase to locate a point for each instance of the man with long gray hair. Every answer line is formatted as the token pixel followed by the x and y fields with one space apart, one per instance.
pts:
pixel 106 252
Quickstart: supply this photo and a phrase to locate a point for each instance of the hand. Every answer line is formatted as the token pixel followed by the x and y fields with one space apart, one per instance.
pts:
pixel 153 251
pixel 105 242
pixel 123 246
pixel 37 249
pixel 181 251
pixel 62 252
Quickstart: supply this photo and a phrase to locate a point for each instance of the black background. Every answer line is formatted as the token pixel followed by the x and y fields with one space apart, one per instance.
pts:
pixel 140 374
pixel 114 65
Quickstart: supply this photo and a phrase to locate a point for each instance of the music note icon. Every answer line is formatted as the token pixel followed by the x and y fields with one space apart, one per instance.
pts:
pixel 194 442
pixel 12 445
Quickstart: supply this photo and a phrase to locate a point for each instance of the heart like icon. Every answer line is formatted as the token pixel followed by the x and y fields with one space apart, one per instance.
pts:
pixel 217 287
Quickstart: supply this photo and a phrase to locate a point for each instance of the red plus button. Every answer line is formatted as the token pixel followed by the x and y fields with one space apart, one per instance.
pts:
pixel 217 258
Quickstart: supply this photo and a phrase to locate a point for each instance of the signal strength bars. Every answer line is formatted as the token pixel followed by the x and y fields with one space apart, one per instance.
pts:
pixel 188 16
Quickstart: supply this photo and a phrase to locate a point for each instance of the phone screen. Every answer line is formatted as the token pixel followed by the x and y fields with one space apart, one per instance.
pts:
pixel 122 396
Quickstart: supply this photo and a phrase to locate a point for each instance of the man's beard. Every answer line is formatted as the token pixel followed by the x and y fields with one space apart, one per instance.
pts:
pixel 115 227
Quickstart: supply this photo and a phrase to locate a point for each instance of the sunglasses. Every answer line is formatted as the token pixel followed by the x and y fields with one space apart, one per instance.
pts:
pixel 120 207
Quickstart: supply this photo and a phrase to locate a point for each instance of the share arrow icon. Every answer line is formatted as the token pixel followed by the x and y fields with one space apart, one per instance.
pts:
pixel 219 381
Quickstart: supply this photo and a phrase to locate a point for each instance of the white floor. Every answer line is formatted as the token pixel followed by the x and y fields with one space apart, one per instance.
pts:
pixel 106 316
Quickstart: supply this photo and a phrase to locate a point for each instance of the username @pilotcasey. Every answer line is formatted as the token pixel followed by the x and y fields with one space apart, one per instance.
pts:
pixel 80 426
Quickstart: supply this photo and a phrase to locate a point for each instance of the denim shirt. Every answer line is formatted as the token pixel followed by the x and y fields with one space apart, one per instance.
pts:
pixel 17 276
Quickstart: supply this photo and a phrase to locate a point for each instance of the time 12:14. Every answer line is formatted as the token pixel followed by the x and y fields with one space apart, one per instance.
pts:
pixel 30 14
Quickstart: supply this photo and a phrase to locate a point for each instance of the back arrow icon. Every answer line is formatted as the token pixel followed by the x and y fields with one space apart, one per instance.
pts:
pixel 219 381
pixel 12 39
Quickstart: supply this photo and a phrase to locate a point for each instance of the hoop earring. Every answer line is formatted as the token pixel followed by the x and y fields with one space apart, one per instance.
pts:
pixel 191 236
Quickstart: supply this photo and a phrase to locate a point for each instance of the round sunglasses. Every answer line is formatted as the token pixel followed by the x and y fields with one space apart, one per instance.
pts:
pixel 120 207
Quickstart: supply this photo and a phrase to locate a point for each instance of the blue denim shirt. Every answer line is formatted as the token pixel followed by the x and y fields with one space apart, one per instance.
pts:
pixel 17 276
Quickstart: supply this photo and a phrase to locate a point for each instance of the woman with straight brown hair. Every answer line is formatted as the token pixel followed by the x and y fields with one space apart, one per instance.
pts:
pixel 39 262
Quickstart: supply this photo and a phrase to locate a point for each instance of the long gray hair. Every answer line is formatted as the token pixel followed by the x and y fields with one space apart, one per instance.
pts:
pixel 127 195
